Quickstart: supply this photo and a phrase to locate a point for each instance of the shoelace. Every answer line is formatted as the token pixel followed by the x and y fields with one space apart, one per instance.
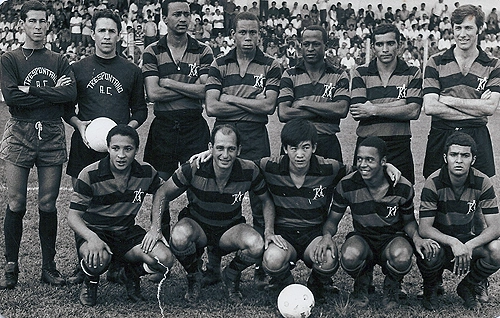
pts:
pixel 39 127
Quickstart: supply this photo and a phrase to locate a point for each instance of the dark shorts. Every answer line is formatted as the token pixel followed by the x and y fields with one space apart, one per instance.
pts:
pixel 398 153
pixel 299 238
pixel 213 233
pixel 120 242
pixel 254 139
pixel 378 243
pixel 80 156
pixel 27 143
pixel 175 139
pixel 435 147
pixel 448 252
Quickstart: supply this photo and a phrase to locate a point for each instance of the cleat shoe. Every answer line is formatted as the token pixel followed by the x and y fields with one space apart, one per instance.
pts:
pixel 276 285
pixel 211 277
pixel 52 276
pixel 317 288
pixel 259 278
pixel 11 276
pixel 194 281
pixel 133 284
pixel 117 275
pixel 391 296
pixel 439 291
pixel 429 297
pixel 232 287
pixel 359 296
pixel 482 291
pixel 467 292
pixel 88 294
pixel 77 277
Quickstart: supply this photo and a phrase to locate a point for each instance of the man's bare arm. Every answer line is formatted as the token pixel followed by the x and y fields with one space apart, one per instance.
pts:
pixel 156 93
pixel 220 109
pixel 473 107
pixel 433 107
pixel 196 90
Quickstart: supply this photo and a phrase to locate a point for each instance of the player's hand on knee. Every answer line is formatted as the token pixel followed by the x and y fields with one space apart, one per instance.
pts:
pixel 463 256
pixel 97 252
pixel 321 250
pixel 150 239
pixel 278 240
pixel 426 248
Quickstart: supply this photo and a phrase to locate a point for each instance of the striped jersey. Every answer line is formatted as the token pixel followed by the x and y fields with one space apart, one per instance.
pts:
pixel 306 206
pixel 454 214
pixel 372 217
pixel 263 74
pixel 333 86
pixel 158 61
pixel 107 206
pixel 210 205
pixel 405 83
pixel 443 77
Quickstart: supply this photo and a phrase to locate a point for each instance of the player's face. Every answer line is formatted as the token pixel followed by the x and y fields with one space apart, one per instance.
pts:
pixel 224 150
pixel 459 160
pixel 369 163
pixel 122 151
pixel 246 35
pixel 465 33
pixel 105 36
pixel 35 26
pixel 386 47
pixel 313 47
pixel 178 18
pixel 300 155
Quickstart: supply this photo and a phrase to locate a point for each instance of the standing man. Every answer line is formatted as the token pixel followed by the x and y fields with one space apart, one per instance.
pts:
pixel 316 90
pixel 386 94
pixel 108 86
pixel 242 89
pixel 175 70
pixel 451 198
pixel 36 84
pixel 461 89
pixel 112 190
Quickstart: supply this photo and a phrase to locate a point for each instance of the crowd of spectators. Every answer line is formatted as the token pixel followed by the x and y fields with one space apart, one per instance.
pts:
pixel 70 27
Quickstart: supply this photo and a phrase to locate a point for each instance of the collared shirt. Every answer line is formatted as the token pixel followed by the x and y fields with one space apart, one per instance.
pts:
pixel 263 74
pixel 454 214
pixel 105 205
pixel 443 77
pixel 333 86
pixel 306 206
pixel 404 84
pixel 158 61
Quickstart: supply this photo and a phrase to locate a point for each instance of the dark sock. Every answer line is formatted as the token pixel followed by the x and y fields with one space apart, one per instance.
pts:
pixel 480 270
pixel 47 230
pixel 13 231
pixel 188 258
pixel 238 264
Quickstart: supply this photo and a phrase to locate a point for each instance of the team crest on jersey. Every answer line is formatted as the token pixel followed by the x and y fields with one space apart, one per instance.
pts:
pixel 238 197
pixel 138 196
pixel 43 72
pixel 391 211
pixel 104 87
pixel 482 83
pixel 318 192
pixel 193 70
pixel 402 90
pixel 472 206
pixel 259 81
pixel 328 93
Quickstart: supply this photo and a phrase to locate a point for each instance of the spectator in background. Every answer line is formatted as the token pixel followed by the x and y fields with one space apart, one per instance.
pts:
pixel 150 32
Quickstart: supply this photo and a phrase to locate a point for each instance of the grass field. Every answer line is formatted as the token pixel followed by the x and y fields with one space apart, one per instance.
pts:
pixel 31 298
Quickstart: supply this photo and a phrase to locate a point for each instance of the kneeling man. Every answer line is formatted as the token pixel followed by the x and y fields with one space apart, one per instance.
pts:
pixel 107 197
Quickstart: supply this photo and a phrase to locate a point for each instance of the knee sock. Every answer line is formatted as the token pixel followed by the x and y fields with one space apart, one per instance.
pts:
pixel 47 230
pixel 282 275
pixel 431 274
pixel 238 264
pixel 214 259
pixel 480 270
pixel 189 258
pixel 324 276
pixel 393 273
pixel 13 231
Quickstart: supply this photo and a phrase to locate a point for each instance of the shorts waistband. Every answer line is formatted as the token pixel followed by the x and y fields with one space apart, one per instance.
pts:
pixel 25 120
pixel 457 124
pixel 184 116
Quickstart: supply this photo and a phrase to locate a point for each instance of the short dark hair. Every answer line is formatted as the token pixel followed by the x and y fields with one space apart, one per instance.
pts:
pixel 245 15
pixel 123 130
pixel 458 16
pixel 109 14
pixel 32 5
pixel 298 130
pixel 375 142
pixel 225 129
pixel 461 139
pixel 317 28
pixel 384 29
pixel 165 3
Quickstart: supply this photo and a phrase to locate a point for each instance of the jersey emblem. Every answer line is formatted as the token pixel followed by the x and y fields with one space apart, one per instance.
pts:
pixel 472 206
pixel 482 84
pixel 259 81
pixel 328 93
pixel 238 197
pixel 138 196
pixel 391 211
pixel 193 70
pixel 318 192
pixel 402 91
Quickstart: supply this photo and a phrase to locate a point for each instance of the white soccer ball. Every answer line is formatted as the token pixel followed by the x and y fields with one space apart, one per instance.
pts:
pixel 295 301
pixel 97 131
